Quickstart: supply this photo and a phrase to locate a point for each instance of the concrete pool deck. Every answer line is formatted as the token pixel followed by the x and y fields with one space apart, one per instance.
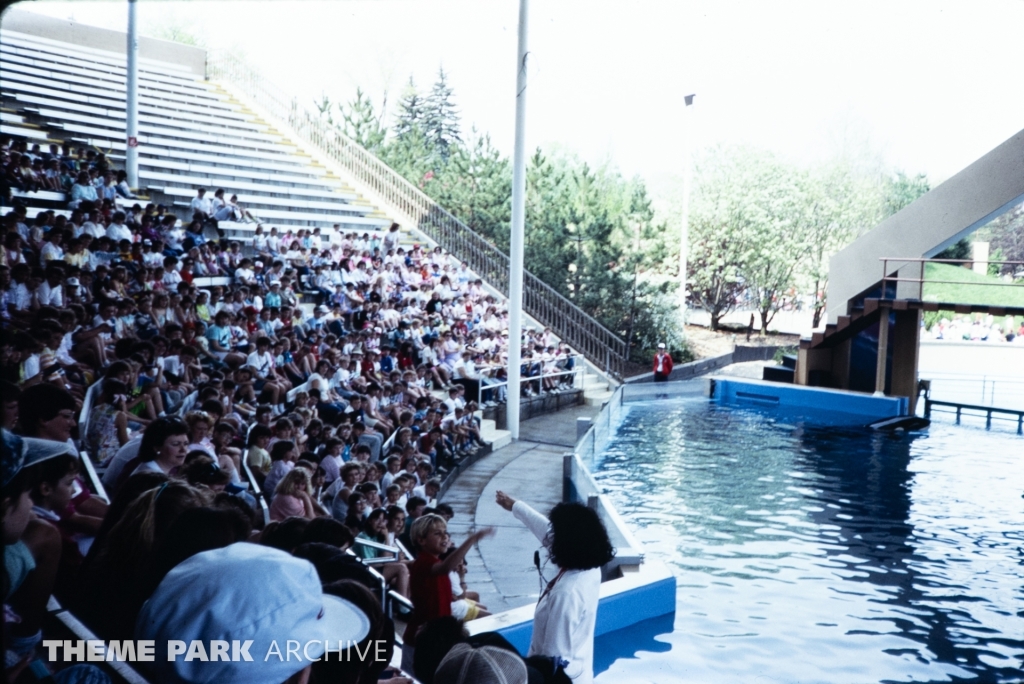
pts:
pixel 501 568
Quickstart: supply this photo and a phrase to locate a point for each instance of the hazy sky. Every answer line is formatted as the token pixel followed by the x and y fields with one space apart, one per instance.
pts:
pixel 928 85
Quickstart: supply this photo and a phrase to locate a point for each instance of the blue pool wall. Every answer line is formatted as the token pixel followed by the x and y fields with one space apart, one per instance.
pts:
pixel 619 610
pixel 865 408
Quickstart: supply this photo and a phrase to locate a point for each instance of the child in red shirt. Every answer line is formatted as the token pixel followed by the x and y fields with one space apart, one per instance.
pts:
pixel 429 586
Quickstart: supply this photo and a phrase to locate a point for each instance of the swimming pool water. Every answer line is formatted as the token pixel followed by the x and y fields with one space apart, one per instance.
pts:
pixel 819 554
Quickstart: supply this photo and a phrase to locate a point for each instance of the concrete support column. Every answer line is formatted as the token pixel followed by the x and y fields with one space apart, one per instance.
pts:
pixel 841 364
pixel 515 273
pixel 883 349
pixel 905 347
pixel 131 162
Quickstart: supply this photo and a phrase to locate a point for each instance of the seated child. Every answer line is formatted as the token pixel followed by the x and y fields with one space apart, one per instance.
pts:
pixel 430 586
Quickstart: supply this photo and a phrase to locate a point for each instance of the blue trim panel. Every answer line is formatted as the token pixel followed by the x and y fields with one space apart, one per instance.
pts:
pixel 615 612
pixel 864 408
pixel 633 606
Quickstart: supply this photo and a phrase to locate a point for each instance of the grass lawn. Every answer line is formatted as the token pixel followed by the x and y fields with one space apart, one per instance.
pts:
pixel 980 291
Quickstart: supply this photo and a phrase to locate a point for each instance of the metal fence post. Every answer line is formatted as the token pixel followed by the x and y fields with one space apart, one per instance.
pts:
pixel 567 478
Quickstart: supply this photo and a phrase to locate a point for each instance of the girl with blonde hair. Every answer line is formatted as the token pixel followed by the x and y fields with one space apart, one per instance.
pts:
pixel 291 497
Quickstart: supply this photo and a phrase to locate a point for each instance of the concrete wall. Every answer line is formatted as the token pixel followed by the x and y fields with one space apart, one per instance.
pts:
pixel 103 39
pixel 965 202
pixel 685 371
pixel 982 359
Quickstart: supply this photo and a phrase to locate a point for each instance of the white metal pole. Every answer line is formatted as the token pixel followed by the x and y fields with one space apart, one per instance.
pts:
pixel 515 276
pixel 132 86
pixel 684 237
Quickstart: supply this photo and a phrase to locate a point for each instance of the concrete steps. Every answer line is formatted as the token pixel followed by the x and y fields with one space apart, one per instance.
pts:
pixel 498 438
pixel 596 390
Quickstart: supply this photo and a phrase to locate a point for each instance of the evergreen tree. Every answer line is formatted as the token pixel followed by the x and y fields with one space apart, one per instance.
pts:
pixel 361 122
pixel 410 112
pixel 324 106
pixel 441 119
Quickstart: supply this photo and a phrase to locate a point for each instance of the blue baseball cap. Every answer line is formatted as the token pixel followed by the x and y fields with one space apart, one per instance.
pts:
pixel 17 452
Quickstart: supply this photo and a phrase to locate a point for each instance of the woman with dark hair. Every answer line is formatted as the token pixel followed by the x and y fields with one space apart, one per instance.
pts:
pixel 163 449
pixel 563 624
pixel 46 411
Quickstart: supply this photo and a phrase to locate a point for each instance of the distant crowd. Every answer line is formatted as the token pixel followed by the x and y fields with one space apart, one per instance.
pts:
pixel 976 328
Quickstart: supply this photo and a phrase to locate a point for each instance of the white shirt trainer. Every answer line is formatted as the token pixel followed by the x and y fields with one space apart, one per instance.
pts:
pixel 563 624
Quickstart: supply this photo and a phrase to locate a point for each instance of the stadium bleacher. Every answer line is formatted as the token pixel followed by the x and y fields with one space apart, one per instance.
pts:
pixel 191 135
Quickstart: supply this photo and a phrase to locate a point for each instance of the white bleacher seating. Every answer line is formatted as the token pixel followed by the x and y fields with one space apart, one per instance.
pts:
pixel 181 148
pixel 304 387
pixel 355 222
pixel 211 281
pixel 36 45
pixel 257 491
pixel 93 477
pixel 69 84
pixel 150 111
pixel 87 403
pixel 191 135
pixel 79 631
pixel 194 182
pixel 188 168
pixel 188 403
pixel 199 133
pixel 23 132
pixel 40 195
pixel 269 201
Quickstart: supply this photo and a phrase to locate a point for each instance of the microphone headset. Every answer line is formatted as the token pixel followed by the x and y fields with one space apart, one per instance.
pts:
pixel 542 580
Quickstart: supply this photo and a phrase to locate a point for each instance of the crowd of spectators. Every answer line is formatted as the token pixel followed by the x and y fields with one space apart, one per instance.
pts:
pixel 334 379
pixel 84 175
pixel 976 328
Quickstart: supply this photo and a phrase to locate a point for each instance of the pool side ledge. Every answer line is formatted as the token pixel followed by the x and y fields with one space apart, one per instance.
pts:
pixel 869 407
pixel 647 592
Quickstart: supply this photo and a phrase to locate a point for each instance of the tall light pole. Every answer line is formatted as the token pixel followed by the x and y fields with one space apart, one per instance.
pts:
pixel 684 237
pixel 515 275
pixel 131 161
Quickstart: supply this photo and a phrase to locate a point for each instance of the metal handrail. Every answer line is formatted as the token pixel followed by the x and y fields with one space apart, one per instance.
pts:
pixel 545 304
pixel 370 544
pixel 905 261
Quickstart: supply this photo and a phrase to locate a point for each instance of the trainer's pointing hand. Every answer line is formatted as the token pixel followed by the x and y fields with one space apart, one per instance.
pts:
pixel 504 500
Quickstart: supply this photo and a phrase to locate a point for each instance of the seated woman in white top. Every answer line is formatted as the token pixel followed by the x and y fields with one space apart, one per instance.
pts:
pixel 163 449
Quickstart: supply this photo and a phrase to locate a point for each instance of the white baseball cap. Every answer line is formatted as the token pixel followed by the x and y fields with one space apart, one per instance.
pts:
pixel 246 592
pixel 484 665
pixel 661 345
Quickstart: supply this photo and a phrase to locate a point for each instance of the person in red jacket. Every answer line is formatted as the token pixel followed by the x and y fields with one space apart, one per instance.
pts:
pixel 662 364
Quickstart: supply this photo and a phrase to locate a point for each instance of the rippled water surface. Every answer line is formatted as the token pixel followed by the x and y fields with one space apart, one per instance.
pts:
pixel 820 554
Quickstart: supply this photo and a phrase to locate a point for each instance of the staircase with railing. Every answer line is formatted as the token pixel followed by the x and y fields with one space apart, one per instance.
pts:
pixel 603 348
